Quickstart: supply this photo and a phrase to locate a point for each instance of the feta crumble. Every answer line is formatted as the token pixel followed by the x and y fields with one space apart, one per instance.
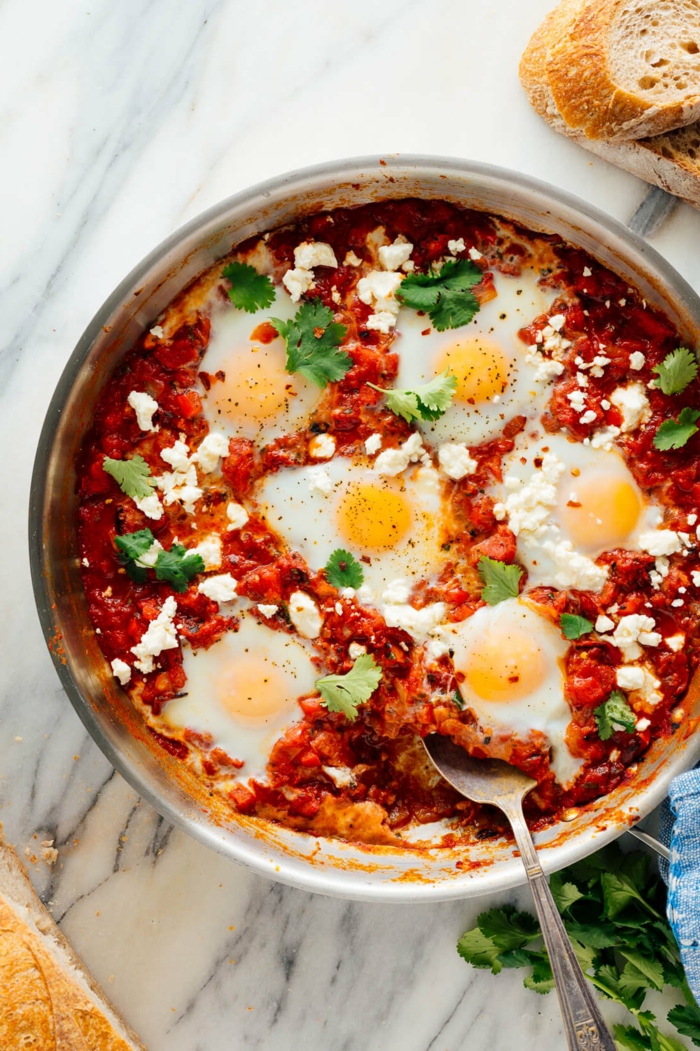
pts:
pixel 237 515
pixel 267 610
pixel 630 677
pixel 455 460
pixel 209 549
pixel 660 542
pixel 304 614
pixel 161 635
pixel 320 480
pixel 393 461
pixel 373 444
pixel 314 253
pixel 297 282
pixel 455 247
pixel 633 630
pixel 212 448
pixel 144 406
pixel 604 624
pixel 157 331
pixel 355 650
pixel 221 588
pixel 637 360
pixel 150 506
pixel 322 446
pixel 377 290
pixel 676 642
pixel 417 622
pixel 121 671
pixel 395 255
pixel 633 404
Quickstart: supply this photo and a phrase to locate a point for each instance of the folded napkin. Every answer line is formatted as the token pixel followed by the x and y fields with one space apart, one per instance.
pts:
pixel 680 830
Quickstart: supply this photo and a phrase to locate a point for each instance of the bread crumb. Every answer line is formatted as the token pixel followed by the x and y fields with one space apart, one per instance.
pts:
pixel 49 852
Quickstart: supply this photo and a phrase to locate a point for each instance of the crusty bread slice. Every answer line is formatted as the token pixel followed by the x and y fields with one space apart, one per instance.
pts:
pixel 626 69
pixel 671 161
pixel 48 1001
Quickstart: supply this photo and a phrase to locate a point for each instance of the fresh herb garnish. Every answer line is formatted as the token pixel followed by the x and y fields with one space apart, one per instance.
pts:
pixel 428 401
pixel 446 294
pixel 176 566
pixel 343 570
pixel 613 908
pixel 673 434
pixel 313 341
pixel 573 626
pixel 132 476
pixel 344 693
pixel 676 371
pixel 249 291
pixel 614 714
pixel 501 581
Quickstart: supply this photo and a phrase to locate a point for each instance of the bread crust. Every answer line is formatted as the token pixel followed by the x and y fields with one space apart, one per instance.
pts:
pixel 48 1001
pixel 584 88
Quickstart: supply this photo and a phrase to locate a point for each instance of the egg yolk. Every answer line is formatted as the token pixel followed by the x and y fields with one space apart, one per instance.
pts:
pixel 600 512
pixel 374 517
pixel 504 667
pixel 480 367
pixel 257 389
pixel 254 690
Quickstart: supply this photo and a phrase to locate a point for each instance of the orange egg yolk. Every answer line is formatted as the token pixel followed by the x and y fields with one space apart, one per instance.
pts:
pixel 257 390
pixel 480 367
pixel 506 666
pixel 599 512
pixel 374 517
pixel 254 690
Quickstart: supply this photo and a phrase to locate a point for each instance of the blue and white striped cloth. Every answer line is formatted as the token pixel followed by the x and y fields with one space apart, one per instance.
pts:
pixel 680 830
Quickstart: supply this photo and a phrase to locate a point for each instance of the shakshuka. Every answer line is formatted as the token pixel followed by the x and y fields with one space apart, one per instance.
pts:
pixel 398 470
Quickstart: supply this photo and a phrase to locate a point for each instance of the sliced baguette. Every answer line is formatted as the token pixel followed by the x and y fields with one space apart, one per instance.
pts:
pixel 671 161
pixel 627 69
pixel 48 1001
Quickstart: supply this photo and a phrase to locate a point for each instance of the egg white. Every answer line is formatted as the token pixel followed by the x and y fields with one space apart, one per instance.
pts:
pixel 500 391
pixel 243 691
pixel 506 642
pixel 258 399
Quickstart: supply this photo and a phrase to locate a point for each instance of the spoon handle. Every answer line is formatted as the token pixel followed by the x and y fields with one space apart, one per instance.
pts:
pixel 583 1023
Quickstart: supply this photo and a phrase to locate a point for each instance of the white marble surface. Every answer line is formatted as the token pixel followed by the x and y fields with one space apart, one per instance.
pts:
pixel 117 123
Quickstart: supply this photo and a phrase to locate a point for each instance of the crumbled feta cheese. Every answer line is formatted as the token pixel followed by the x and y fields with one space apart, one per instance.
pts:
pixel 637 360
pixel 320 480
pixel 695 575
pixel 393 461
pixel 528 506
pixel 455 460
pixel 85 563
pixel 675 642
pixel 150 505
pixel 582 379
pixel 180 487
pixel 475 254
pixel 604 624
pixel 161 635
pixel 373 444
pixel 212 448
pixel 377 290
pixel 588 417
pixel 642 724
pixel 455 247
pixel 150 557
pixel 557 322
pixel 237 515
pixel 577 399
pixel 630 677
pixel 605 404
pixel 678 602
pixel 547 369
pixel 396 592
pixel 157 331
pixel 660 542
pixel 297 282
pixel 177 455
pixel 267 610
pixel 633 629
pixel 417 622
pixel 633 404
pixel 221 588
pixel 692 519
pixel 304 614
pixel 352 260
pixel 144 406
pixel 587 272
pixel 322 446
pixel 209 550
pixel 572 569
pixel 121 671
pixel 355 650
pixel 394 256
pixel 650 690
pixel 341 776
pixel 604 438
pixel 314 253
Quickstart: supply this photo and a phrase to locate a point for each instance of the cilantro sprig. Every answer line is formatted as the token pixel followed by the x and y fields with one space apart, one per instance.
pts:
pixel 345 693
pixel 613 908
pixel 573 626
pixel 343 570
pixel 501 581
pixel 427 401
pixel 313 341
pixel 676 371
pixel 446 294
pixel 673 434
pixel 614 714
pixel 249 291
pixel 176 566
pixel 132 476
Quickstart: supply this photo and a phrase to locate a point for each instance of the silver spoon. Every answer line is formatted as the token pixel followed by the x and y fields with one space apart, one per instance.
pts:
pixel 492 781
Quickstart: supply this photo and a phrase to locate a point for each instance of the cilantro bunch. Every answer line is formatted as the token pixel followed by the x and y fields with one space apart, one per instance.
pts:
pixel 613 907
pixel 176 566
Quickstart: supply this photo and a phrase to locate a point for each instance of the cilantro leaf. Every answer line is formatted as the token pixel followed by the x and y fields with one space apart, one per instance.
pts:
pixel 479 951
pixel 676 371
pixel 686 1019
pixel 631 1039
pixel 541 980
pixel 313 343
pixel 343 570
pixel 501 581
pixel 673 434
pixel 177 566
pixel 249 291
pixel 573 627
pixel 507 928
pixel 614 714
pixel 427 401
pixel 344 693
pixel 445 294
pixel 132 547
pixel 619 892
pixel 642 968
pixel 132 476
pixel 565 894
